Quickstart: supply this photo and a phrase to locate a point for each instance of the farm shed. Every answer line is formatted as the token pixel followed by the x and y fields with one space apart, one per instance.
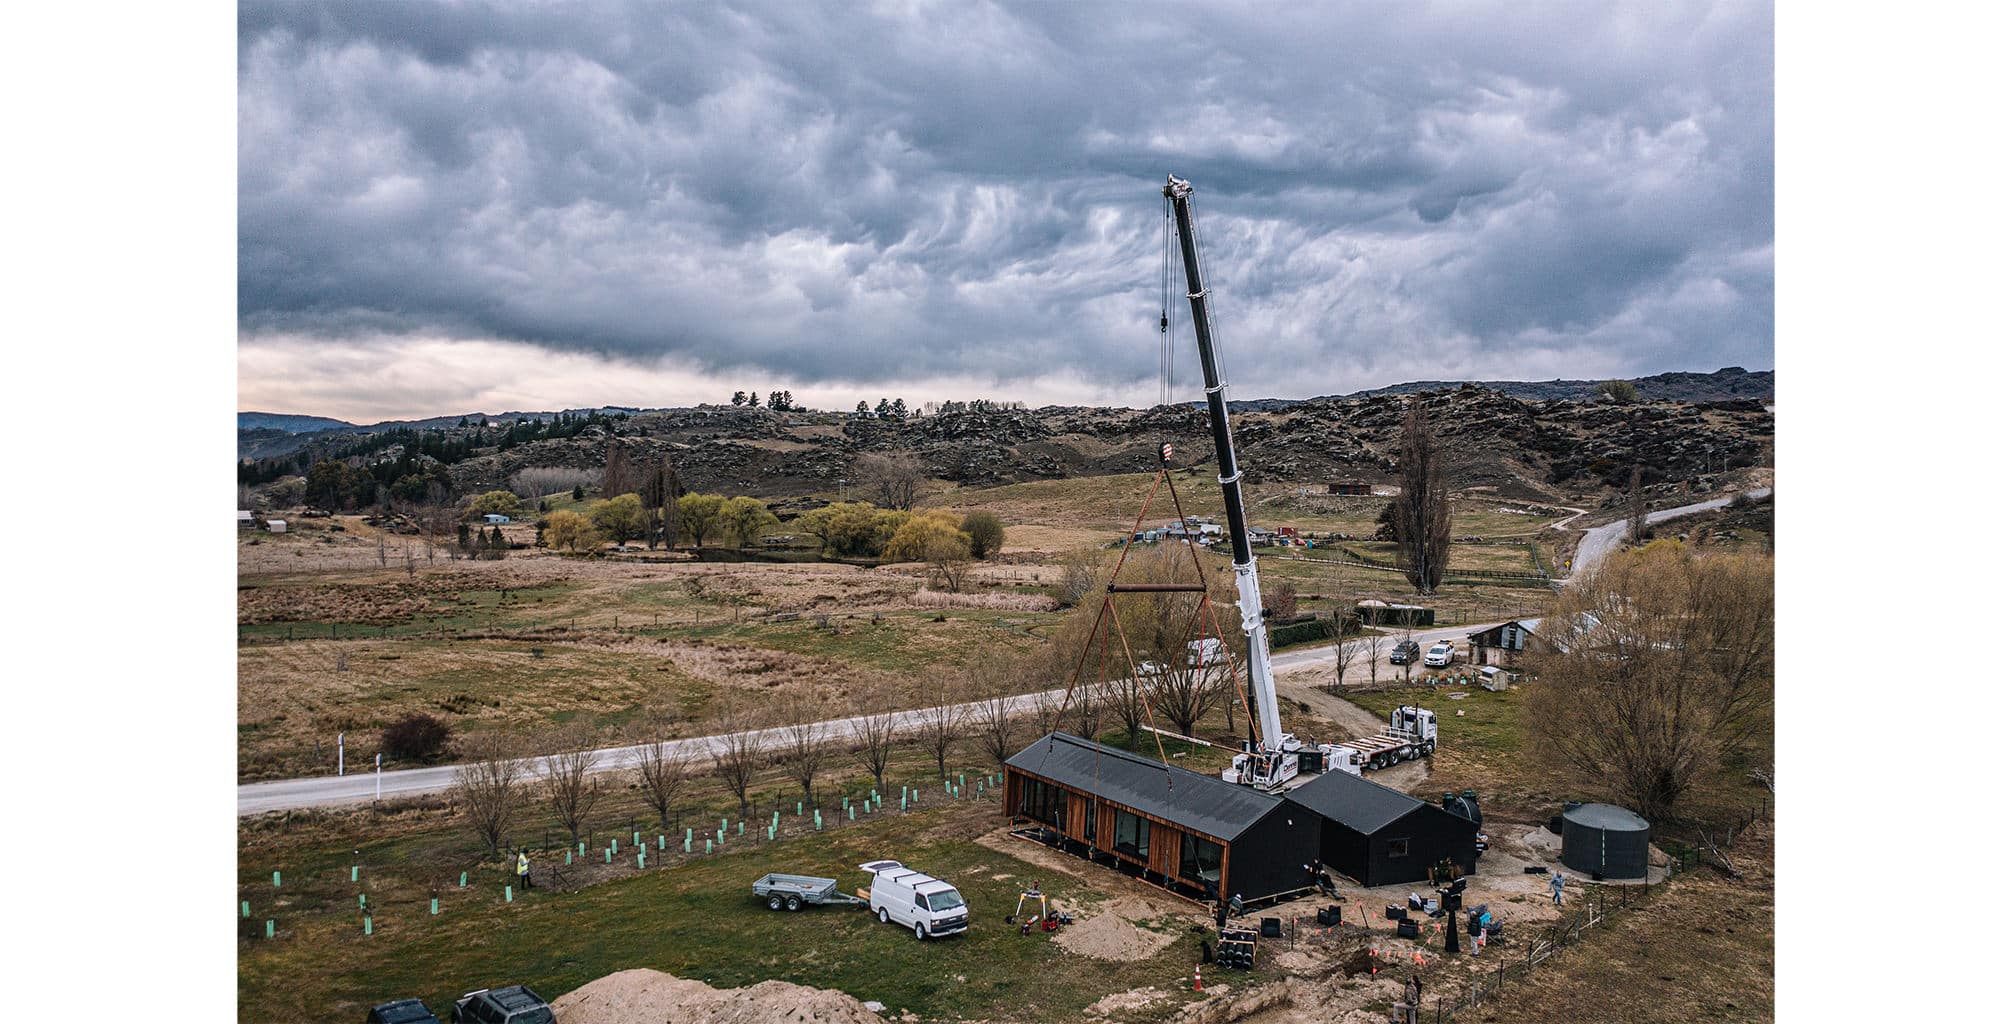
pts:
pixel 275 525
pixel 1378 836
pixel 1606 841
pixel 1347 487
pixel 1194 833
pixel 494 519
pixel 1508 641
pixel 1374 612
pixel 245 521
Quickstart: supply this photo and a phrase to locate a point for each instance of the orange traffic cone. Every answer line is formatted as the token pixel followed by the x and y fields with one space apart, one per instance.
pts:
pixel 1198 977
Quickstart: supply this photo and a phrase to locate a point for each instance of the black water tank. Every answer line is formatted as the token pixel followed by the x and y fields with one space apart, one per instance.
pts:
pixel 1609 841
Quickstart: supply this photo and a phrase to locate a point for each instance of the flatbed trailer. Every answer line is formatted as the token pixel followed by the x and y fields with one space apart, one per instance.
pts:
pixel 1413 733
pixel 794 892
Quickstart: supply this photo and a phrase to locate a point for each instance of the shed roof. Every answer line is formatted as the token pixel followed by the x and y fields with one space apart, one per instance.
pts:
pixel 1194 801
pixel 1354 801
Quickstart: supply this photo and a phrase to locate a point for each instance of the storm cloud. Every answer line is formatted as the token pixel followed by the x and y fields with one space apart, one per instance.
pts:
pixel 878 199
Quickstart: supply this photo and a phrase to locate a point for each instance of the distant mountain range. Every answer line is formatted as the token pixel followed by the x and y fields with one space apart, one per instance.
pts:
pixel 1732 383
pixel 286 424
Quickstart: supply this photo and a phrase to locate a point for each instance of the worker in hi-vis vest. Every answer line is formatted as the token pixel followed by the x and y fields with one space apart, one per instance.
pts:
pixel 523 868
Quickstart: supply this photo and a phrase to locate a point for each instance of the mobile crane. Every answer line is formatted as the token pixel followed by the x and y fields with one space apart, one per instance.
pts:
pixel 1273 757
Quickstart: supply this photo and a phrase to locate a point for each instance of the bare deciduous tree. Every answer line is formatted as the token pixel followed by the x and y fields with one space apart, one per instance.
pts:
pixel 804 747
pixel 895 481
pixel 1086 706
pixel 737 753
pixel 534 482
pixel 1654 668
pixel 1079 577
pixel 486 788
pixel 1350 640
pixel 994 721
pixel 571 788
pixel 943 724
pixel 1422 515
pixel 662 771
pixel 873 744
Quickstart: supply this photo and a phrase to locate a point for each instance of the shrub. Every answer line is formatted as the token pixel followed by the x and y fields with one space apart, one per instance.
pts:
pixel 416 737
pixel 1620 392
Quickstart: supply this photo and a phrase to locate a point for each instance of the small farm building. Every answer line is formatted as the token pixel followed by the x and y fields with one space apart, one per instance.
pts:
pixel 275 525
pixel 1193 833
pixel 494 519
pixel 1501 644
pixel 1378 836
pixel 245 520
pixel 1375 612
pixel 1347 487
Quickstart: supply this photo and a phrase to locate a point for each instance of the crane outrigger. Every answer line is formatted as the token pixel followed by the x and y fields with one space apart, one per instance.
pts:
pixel 1273 757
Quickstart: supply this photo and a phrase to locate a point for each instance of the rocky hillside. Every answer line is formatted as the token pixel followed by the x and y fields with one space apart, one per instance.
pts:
pixel 1520 449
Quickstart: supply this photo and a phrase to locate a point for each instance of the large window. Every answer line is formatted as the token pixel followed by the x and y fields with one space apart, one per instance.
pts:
pixel 1041 801
pixel 1201 860
pixel 1090 821
pixel 1400 848
pixel 1132 833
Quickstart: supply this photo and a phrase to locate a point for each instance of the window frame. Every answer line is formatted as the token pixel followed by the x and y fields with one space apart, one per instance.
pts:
pixel 1399 848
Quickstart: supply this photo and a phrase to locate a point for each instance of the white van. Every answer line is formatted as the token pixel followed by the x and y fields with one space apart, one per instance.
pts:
pixel 927 905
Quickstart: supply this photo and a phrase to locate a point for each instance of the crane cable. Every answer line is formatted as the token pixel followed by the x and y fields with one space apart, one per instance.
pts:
pixel 1166 302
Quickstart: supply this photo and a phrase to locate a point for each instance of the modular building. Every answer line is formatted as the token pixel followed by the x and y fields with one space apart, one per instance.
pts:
pixel 1192 833
pixel 1378 836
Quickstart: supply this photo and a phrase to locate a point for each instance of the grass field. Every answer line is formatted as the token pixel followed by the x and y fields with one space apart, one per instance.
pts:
pixel 698 920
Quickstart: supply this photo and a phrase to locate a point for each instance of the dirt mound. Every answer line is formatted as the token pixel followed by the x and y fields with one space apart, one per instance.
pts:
pixel 1111 931
pixel 643 996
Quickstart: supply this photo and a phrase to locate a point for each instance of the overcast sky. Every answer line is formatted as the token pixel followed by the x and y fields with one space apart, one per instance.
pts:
pixel 456 208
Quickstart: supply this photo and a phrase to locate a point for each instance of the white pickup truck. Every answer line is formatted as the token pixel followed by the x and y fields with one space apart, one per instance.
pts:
pixel 925 904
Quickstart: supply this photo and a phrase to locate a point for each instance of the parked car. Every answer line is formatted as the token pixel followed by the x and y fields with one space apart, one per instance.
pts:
pixel 1440 656
pixel 923 903
pixel 401 1011
pixel 1404 653
pixel 511 1004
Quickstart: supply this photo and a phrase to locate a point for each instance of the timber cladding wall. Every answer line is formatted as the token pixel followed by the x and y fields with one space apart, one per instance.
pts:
pixel 1193 832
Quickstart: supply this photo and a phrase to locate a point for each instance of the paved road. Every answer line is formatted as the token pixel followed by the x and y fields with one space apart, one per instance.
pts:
pixel 1600 541
pixel 287 794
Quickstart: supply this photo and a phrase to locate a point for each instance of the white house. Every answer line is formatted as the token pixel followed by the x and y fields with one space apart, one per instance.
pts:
pixel 275 526
pixel 493 519
pixel 245 521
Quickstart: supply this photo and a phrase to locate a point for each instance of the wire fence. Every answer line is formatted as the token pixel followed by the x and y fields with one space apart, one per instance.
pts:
pixel 1596 906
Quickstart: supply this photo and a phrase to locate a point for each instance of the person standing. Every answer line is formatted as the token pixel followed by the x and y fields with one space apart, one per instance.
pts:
pixel 1557 889
pixel 1414 998
pixel 524 868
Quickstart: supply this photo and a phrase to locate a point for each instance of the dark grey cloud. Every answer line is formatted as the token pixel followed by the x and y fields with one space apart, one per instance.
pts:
pixel 901 191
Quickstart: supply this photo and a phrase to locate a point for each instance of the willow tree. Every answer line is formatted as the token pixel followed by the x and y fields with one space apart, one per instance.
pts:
pixel 1655 669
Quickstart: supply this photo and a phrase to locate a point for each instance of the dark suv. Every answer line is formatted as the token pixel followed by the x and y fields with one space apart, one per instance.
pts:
pixel 512 1004
pixel 1404 653
pixel 401 1011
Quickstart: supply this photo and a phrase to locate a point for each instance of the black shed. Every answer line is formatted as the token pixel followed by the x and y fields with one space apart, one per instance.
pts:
pixel 1378 836
pixel 1194 833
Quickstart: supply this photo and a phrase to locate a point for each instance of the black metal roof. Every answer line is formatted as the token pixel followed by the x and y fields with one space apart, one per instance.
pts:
pixel 1201 803
pixel 1356 802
